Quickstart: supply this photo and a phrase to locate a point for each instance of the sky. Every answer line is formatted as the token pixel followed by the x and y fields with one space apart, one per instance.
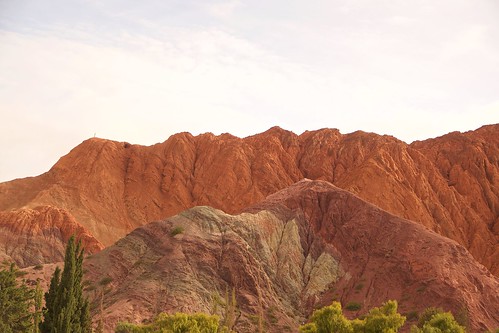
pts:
pixel 140 71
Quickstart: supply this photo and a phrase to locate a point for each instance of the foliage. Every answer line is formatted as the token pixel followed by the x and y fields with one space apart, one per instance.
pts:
pixel 105 281
pixel 231 312
pixel 15 303
pixel 177 230
pixel 353 306
pixel 384 319
pixel 176 323
pixel 37 314
pixel 427 314
pixel 440 322
pixel 308 328
pixel 331 319
pixel 66 310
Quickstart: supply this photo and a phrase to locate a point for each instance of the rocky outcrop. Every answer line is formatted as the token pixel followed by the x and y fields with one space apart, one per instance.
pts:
pixel 33 236
pixel 297 250
pixel 448 184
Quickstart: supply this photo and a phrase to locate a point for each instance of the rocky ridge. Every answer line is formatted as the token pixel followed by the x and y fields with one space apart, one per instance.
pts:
pixel 39 235
pixel 297 250
pixel 449 184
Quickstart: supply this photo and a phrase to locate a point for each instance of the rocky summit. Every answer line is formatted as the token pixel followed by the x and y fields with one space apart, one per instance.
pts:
pixel 299 249
pixel 281 223
pixel 448 184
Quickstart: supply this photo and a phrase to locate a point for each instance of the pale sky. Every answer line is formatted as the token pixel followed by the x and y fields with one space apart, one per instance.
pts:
pixel 140 71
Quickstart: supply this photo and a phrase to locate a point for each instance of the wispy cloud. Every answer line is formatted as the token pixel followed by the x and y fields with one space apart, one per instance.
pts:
pixel 141 71
pixel 223 9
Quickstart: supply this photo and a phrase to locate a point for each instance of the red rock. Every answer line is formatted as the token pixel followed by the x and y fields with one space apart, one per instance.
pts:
pixel 38 235
pixel 297 250
pixel 448 184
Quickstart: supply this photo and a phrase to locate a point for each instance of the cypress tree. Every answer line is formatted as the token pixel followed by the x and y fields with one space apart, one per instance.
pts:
pixel 15 303
pixel 37 315
pixel 66 307
pixel 49 309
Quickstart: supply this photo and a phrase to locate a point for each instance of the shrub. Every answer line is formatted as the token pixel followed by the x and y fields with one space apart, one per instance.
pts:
pixel 177 230
pixel 105 281
pixel 331 319
pixel 353 306
pixel 176 323
pixel 440 322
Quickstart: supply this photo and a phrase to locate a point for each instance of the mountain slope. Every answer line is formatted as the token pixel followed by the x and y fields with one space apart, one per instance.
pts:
pixel 297 250
pixel 33 236
pixel 112 187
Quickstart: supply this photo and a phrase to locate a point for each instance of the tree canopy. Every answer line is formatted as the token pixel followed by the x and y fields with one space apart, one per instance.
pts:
pixel 66 309
pixel 176 323
pixel 15 303
pixel 384 319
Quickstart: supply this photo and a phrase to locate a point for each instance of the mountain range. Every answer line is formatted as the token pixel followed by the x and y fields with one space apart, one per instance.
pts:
pixel 290 222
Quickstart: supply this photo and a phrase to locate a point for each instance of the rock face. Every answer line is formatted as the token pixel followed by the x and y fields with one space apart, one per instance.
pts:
pixel 297 250
pixel 33 236
pixel 449 184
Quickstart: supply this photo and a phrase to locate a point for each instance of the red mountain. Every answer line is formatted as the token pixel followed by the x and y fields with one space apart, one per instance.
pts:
pixel 449 184
pixel 297 250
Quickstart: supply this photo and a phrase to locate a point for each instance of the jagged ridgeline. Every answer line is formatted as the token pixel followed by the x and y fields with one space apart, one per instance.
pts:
pixel 375 220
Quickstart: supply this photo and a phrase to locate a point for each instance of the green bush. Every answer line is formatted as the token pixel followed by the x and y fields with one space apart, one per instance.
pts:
pixel 177 230
pixel 353 306
pixel 105 281
pixel 176 323
pixel 438 322
pixel 329 319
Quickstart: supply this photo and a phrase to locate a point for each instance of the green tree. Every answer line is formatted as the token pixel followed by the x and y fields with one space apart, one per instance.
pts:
pixel 37 314
pixel 15 303
pixel 383 319
pixel 308 328
pixel 441 322
pixel 66 309
pixel 427 314
pixel 328 319
pixel 176 323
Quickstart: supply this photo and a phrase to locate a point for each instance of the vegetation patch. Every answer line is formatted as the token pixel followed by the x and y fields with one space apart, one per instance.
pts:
pixel 412 316
pixel 353 306
pixel 177 230
pixel 105 281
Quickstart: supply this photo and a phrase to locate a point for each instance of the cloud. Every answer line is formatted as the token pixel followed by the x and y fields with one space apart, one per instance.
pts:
pixel 185 66
pixel 223 9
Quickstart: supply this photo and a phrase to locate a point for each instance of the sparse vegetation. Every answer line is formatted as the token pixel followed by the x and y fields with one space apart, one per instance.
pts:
pixel 412 316
pixel 353 306
pixel 39 267
pixel 105 281
pixel 176 323
pixel 421 289
pixel 177 230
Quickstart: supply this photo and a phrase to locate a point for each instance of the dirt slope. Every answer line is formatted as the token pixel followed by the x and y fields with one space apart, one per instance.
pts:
pixel 449 184
pixel 297 250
